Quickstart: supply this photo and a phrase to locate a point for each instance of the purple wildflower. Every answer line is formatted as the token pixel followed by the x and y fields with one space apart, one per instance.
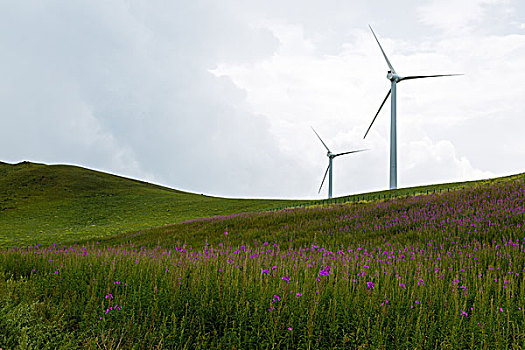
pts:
pixel 325 270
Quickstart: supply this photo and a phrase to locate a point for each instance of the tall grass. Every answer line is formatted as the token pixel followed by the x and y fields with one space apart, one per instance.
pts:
pixel 424 296
pixel 437 271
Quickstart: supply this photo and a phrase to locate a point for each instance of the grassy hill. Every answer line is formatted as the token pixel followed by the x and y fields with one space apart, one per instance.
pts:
pixel 62 203
pixel 408 215
pixel 426 271
pixel 65 204
pixel 428 267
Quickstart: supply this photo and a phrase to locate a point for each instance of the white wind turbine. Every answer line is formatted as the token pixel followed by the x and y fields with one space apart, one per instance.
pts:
pixel 394 79
pixel 328 171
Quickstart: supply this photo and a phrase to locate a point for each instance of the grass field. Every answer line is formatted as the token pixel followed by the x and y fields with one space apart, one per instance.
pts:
pixel 61 203
pixel 443 270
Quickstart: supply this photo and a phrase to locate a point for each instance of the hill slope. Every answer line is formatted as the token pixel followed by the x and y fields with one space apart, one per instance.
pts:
pixel 65 204
pixel 437 270
pixel 483 210
pixel 62 203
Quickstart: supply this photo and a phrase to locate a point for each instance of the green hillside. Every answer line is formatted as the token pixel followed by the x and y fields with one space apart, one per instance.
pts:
pixel 396 270
pixel 67 204
pixel 62 203
pixel 365 218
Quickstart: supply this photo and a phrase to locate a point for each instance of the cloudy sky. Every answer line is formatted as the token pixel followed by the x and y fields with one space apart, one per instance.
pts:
pixel 218 97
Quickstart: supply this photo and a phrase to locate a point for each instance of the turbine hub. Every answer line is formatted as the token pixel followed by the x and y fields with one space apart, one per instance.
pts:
pixel 329 154
pixel 393 76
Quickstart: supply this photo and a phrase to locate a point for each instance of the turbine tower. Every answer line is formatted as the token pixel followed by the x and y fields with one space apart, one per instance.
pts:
pixel 394 79
pixel 328 171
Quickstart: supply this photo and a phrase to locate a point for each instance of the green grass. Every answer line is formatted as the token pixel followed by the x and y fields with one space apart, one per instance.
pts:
pixel 444 270
pixel 61 203
pixel 322 224
pixel 407 270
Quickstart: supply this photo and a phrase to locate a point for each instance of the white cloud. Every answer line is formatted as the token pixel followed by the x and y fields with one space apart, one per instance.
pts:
pixel 126 89
pixel 339 94
pixel 427 162
pixel 452 15
pixel 219 98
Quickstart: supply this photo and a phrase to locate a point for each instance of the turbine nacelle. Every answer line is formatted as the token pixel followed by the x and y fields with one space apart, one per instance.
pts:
pixel 393 76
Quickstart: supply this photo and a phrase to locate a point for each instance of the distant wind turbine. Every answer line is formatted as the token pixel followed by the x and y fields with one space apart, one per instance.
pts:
pixel 331 156
pixel 394 79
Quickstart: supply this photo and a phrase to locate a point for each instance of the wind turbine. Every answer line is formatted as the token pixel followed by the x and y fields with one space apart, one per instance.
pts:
pixel 331 156
pixel 394 79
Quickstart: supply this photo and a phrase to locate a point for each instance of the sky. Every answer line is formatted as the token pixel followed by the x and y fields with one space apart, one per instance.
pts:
pixel 219 97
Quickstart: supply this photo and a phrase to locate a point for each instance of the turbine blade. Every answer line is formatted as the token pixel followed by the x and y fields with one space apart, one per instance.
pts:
pixel 427 76
pixel 324 178
pixel 341 154
pixel 325 146
pixel 379 110
pixel 384 54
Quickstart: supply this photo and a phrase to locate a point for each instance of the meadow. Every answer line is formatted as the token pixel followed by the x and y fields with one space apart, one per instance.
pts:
pixel 438 271
pixel 46 204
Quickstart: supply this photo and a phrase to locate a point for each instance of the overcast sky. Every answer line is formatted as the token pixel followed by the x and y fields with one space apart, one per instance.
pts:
pixel 217 97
